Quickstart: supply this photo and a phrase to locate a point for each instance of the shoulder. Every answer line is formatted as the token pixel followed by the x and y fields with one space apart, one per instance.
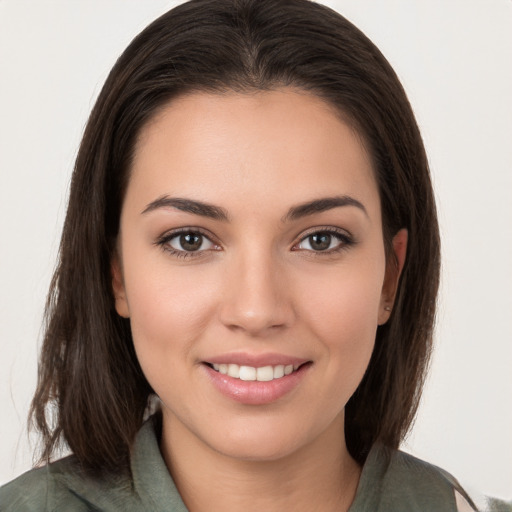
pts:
pixel 394 480
pixel 417 474
pixel 62 485
pixel 439 478
pixel 35 490
pixel 26 493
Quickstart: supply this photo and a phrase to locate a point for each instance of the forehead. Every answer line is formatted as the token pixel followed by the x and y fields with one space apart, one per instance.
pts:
pixel 283 144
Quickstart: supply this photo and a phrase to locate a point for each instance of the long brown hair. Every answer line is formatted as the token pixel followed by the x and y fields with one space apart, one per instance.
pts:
pixel 91 392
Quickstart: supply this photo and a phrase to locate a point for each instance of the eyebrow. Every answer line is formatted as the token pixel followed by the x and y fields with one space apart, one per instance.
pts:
pixel 322 205
pixel 190 206
pixel 218 213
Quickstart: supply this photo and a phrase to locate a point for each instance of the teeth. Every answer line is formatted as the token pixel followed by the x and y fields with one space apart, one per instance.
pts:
pixel 250 373
pixel 278 371
pixel 265 374
pixel 247 373
pixel 234 371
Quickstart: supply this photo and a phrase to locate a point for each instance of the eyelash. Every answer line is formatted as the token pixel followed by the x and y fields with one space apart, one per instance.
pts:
pixel 163 242
pixel 345 241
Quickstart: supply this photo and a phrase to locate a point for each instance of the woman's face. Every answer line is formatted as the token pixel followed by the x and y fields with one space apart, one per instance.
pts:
pixel 251 243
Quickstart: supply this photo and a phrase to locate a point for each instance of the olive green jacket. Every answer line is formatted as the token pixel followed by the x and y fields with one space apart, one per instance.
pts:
pixel 391 481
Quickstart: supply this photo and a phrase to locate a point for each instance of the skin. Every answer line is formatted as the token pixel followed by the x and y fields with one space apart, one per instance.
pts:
pixel 258 284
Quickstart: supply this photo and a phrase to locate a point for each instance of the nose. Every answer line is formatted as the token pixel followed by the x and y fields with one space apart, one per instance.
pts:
pixel 256 299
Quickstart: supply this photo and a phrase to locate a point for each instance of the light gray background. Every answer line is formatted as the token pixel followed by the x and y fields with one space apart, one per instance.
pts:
pixel 454 58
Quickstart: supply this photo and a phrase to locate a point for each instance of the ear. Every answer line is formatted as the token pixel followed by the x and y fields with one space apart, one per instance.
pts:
pixel 394 267
pixel 118 287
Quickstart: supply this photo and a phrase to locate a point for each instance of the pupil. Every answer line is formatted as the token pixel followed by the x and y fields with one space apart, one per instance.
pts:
pixel 191 241
pixel 320 241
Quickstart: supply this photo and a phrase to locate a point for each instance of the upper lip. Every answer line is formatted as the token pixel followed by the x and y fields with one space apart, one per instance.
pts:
pixel 256 360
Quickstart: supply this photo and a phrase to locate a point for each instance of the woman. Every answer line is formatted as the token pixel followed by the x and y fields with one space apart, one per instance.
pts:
pixel 285 329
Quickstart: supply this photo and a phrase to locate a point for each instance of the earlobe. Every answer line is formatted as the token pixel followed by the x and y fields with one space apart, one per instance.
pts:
pixel 118 288
pixel 394 267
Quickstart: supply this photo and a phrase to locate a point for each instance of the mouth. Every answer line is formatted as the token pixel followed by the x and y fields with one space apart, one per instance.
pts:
pixel 256 380
pixel 252 373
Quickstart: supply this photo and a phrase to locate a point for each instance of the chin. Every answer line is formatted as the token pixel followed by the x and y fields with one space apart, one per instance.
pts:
pixel 261 448
pixel 261 440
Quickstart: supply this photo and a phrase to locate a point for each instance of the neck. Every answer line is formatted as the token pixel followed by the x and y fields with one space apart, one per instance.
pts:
pixel 321 476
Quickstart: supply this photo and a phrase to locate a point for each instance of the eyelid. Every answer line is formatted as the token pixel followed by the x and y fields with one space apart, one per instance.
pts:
pixel 345 237
pixel 163 241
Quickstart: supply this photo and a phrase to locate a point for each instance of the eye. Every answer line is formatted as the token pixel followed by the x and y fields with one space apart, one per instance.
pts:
pixel 324 241
pixel 186 243
pixel 191 242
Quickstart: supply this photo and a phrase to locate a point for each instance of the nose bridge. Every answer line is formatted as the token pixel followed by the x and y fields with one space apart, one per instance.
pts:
pixel 255 297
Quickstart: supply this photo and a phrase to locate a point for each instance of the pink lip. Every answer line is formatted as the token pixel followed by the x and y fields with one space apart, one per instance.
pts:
pixel 255 392
pixel 255 360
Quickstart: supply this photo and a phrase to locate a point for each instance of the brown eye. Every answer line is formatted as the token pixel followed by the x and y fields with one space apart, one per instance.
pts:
pixel 324 241
pixel 190 242
pixel 320 241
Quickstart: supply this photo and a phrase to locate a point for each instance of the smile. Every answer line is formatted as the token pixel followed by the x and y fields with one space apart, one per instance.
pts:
pixel 251 373
pixel 269 379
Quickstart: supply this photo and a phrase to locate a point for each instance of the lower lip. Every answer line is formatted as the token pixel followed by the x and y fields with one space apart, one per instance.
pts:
pixel 256 392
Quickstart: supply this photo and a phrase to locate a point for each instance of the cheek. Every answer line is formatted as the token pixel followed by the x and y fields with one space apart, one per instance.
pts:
pixel 169 307
pixel 346 300
pixel 169 312
pixel 342 310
